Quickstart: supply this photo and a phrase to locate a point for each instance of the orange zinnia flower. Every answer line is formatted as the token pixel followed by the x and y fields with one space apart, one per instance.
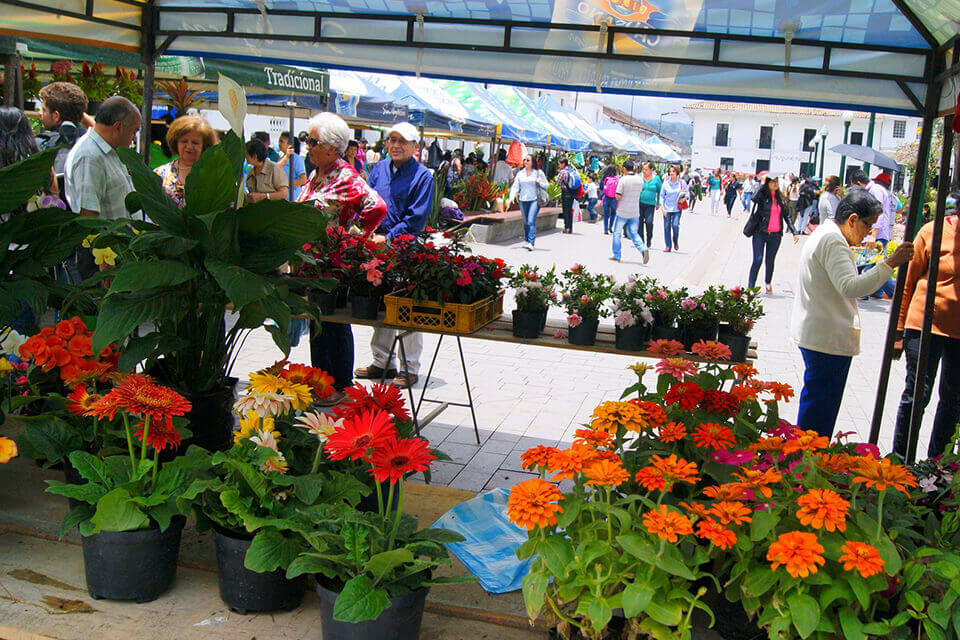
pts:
pixel 713 436
pixel 606 473
pixel 744 370
pixel 594 437
pixel 533 503
pixel 753 479
pixel 610 416
pixel 779 390
pixel 767 444
pixel 667 525
pixel 823 509
pixel 729 511
pixel 718 535
pixel 695 508
pixel 651 479
pixel 806 441
pixel 671 432
pixel 538 456
pixel 798 551
pixel 883 474
pixel 862 557
pixel 567 463
pixel 837 463
pixel 743 392
pixel 652 415
pixel 676 469
pixel 728 491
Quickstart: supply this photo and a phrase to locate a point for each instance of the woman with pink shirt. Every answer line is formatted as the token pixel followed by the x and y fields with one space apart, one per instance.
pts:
pixel 771 209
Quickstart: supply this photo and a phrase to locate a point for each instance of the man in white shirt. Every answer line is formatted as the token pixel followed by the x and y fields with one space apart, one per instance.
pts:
pixel 97 182
pixel 628 212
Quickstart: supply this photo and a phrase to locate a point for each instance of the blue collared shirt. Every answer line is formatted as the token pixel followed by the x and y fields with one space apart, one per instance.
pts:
pixel 408 192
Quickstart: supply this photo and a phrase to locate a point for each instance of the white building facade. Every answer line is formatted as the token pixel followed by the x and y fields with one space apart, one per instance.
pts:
pixel 750 138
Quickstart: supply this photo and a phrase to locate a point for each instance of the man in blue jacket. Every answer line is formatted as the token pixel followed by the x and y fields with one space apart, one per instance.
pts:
pixel 407 188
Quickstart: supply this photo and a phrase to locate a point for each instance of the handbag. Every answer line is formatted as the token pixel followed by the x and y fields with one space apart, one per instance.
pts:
pixel 543 198
pixel 683 204
pixel 753 222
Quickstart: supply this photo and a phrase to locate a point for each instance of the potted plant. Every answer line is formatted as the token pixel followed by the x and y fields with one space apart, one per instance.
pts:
pixel 583 297
pixel 254 498
pixel 130 519
pixel 664 305
pixel 631 316
pixel 126 84
pixel 478 193
pixel 323 258
pixel 373 569
pixel 739 309
pixel 699 319
pixel 179 96
pixel 182 270
pixel 94 84
pixel 30 82
pixel 534 293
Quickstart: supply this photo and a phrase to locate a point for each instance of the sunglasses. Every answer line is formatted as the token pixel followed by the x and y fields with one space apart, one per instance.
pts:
pixel 311 142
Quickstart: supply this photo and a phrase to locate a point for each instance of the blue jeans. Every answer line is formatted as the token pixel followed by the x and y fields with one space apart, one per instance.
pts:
pixel 768 243
pixel 529 209
pixel 747 197
pixel 646 217
pixel 632 225
pixel 609 213
pixel 672 223
pixel 824 377
pixel 592 208
pixel 332 351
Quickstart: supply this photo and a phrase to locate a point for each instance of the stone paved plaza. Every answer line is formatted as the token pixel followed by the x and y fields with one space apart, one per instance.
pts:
pixel 527 395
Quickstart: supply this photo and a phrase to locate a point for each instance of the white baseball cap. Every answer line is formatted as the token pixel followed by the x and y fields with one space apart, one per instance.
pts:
pixel 406 131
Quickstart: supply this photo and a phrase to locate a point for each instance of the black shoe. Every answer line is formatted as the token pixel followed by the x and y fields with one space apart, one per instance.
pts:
pixel 373 372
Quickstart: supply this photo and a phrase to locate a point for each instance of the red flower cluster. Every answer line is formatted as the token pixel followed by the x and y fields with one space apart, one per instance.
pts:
pixel 385 397
pixel 444 273
pixel 687 394
pixel 370 436
pixel 67 348
pixel 720 402
pixel 138 395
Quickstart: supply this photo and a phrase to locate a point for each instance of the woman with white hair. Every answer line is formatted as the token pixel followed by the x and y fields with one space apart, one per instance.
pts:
pixel 336 187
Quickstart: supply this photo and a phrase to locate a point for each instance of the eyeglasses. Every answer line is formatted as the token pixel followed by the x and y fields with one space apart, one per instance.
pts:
pixel 311 142
pixel 527 160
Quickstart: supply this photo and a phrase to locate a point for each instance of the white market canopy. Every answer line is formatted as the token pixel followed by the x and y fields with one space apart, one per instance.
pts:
pixel 875 55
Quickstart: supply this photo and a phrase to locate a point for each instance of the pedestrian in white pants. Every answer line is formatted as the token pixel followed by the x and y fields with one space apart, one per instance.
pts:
pixel 412 347
pixel 714 202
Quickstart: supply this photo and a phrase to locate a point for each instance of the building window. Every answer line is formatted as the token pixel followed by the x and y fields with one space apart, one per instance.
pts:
pixel 856 137
pixel 808 169
pixel 850 169
pixel 762 165
pixel 808 137
pixel 726 164
pixel 723 135
pixel 766 138
pixel 899 128
pixel 898 179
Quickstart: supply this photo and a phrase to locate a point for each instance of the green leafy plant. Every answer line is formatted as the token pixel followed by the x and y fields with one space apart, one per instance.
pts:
pixel 664 304
pixel 699 311
pixel 584 293
pixel 126 84
pixel 93 81
pixel 628 302
pixel 533 291
pixel 740 308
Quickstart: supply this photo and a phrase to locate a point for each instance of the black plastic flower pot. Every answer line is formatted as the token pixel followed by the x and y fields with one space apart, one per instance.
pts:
pixel 584 334
pixel 401 621
pixel 694 334
pixel 633 338
pixel 132 565
pixel 369 502
pixel 543 320
pixel 662 332
pixel 343 296
pixel 526 324
pixel 365 307
pixel 211 418
pixel 245 591
pixel 326 300
pixel 738 345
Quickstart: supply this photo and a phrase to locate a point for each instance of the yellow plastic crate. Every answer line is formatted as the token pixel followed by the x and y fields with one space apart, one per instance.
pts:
pixel 445 317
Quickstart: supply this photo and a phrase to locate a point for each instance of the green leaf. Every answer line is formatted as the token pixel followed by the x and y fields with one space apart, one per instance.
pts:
pixel 355 541
pixel 805 613
pixel 888 553
pixel 534 592
pixel 22 180
pixel 34 293
pixel 859 588
pixel 48 441
pixel 88 492
pixel 381 564
pixel 360 601
pixel 599 613
pixel 147 349
pixel 117 512
pixel 636 597
pixel 759 581
pixel 150 196
pixel 669 613
pixel 672 561
pixel 162 243
pixel 557 555
pixel 240 285
pixel 308 563
pixel 638 547
pixel 212 182
pixel 939 613
pixel 443 536
pixel 933 631
pixel 137 276
pixel 91 468
pixel 763 523
pixel 79 514
pixel 271 550
pixel 279 223
pixel 121 313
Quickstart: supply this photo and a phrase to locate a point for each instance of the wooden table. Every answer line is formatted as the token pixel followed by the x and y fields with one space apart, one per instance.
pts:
pixel 500 330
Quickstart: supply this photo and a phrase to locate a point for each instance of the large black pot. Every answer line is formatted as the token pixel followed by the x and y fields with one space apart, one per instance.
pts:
pixel 633 338
pixel 326 300
pixel 584 334
pixel 365 307
pixel 663 332
pixel 401 621
pixel 543 320
pixel 738 345
pixel 245 591
pixel 694 334
pixel 343 297
pixel 369 502
pixel 211 418
pixel 526 324
pixel 132 565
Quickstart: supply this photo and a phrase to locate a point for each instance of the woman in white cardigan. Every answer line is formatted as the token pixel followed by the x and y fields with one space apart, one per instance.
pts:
pixel 826 323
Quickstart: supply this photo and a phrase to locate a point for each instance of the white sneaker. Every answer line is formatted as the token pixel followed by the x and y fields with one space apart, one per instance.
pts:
pixel 646 256
pixel 528 246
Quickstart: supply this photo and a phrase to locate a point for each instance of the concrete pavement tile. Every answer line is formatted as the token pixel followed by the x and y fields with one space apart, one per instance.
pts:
pixel 458 452
pixel 486 462
pixel 465 435
pixel 497 446
pixel 470 481
pixel 504 479
pixel 442 472
pixel 512 461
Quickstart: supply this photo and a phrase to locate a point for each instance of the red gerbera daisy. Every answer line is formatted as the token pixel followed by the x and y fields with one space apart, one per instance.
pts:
pixel 400 456
pixel 359 434
pixel 139 395
pixel 318 380
pixel 380 397
pixel 80 400
pixel 160 435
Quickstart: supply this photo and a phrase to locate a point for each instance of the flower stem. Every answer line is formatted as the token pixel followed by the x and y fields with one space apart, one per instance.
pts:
pixel 133 459
pixel 156 463
pixel 876 536
pixel 316 459
pixel 146 431
pixel 389 501
pixel 556 612
pixel 379 498
pixel 396 522
pixel 609 525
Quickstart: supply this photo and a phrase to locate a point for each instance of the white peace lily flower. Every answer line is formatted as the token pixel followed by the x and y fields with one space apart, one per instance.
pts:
pixel 233 103
pixel 11 341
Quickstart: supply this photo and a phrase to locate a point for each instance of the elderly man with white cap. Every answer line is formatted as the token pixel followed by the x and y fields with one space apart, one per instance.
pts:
pixel 407 188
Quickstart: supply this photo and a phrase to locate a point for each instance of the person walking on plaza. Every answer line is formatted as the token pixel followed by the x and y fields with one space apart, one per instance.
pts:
pixel 769 216
pixel 749 188
pixel 649 200
pixel 593 194
pixel 502 172
pixel 188 137
pixel 945 338
pixel 336 187
pixel 290 150
pixel 673 196
pixel 732 191
pixel 714 184
pixel 793 196
pixel 879 188
pixel 567 193
pixel 629 188
pixel 825 322
pixel 829 198
pixel 97 182
pixel 807 203
pixel 406 186
pixel 608 185
pixel 526 188
pixel 266 180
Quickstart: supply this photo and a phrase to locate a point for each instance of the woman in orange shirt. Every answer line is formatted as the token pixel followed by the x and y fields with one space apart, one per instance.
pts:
pixel 945 341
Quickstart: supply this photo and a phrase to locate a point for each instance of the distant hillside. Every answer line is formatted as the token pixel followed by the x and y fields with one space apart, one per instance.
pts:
pixel 681 132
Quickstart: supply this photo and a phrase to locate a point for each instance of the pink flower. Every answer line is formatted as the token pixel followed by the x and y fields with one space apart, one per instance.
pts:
pixel 735 458
pixel 375 277
pixel 785 430
pixel 464 278
pixel 22 381
pixel 679 368
pixel 688 304
pixel 665 348
pixel 625 319
pixel 560 333
pixel 574 320
pixel 584 299
pixel 866 449
pixel 712 350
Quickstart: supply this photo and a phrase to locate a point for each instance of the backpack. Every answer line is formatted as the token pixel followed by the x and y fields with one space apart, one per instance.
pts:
pixel 574 183
pixel 610 186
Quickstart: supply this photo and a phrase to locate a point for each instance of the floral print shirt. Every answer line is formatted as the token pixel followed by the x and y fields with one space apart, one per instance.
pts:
pixel 170 176
pixel 341 190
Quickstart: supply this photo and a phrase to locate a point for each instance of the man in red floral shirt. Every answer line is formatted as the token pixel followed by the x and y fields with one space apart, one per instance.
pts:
pixel 336 188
